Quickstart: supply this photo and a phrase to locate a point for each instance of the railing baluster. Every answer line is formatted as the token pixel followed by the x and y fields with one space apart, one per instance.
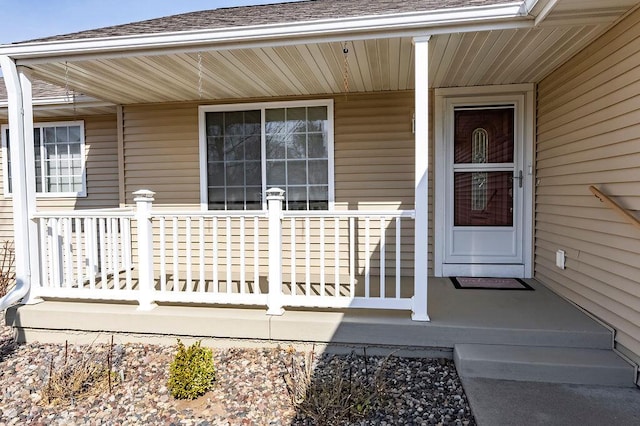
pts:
pixel 92 252
pixel 55 254
pixel 322 258
pixel 228 247
pixel 189 272
pixel 108 244
pixel 103 253
pixel 176 277
pixel 126 251
pixel 336 256
pixel 45 253
pixel 398 247
pixel 307 254
pixel 114 253
pixel 256 258
pixel 352 258
pixel 383 257
pixel 201 282
pixel 293 257
pixel 367 260
pixel 67 250
pixel 163 254
pixel 216 285
pixel 242 255
pixel 79 259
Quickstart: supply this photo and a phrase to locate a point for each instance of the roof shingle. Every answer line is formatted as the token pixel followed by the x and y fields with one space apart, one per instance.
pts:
pixel 309 10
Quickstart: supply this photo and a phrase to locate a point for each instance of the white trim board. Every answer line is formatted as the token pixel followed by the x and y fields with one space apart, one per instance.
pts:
pixel 522 95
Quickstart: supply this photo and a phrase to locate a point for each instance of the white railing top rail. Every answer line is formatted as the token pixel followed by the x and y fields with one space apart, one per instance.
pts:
pixel 209 213
pixel 89 213
pixel 349 213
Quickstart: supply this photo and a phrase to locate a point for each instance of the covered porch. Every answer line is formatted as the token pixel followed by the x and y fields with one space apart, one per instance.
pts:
pixel 375 257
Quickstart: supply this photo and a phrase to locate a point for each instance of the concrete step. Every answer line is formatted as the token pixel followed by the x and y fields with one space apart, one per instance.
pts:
pixel 543 364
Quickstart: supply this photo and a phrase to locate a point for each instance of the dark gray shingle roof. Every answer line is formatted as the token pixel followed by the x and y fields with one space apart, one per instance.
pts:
pixel 309 10
pixel 41 89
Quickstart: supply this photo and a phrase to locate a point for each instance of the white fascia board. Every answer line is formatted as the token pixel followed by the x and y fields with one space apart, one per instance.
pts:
pixel 415 21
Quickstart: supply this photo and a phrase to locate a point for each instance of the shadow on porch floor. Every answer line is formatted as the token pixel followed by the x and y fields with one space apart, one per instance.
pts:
pixel 538 318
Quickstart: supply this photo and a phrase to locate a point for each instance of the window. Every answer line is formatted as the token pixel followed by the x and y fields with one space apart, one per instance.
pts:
pixel 247 149
pixel 59 159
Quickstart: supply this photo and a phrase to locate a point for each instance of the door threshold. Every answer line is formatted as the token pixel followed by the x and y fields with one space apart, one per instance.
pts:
pixel 483 270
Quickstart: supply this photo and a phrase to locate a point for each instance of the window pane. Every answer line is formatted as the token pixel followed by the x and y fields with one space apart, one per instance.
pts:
pixel 216 174
pixel 317 146
pixel 253 170
pixel 235 174
pixel 296 120
pixel 233 148
pixel 49 134
pixel 318 172
pixel 74 134
pixel 216 198
pixel 252 147
pixel 318 197
pixel 62 134
pixel 297 172
pixel 275 173
pixel 275 121
pixel 297 146
pixel 275 146
pixel 317 119
pixel 296 198
pixel 215 149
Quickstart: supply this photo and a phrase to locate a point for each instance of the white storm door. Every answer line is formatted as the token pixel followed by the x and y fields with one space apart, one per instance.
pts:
pixel 484 192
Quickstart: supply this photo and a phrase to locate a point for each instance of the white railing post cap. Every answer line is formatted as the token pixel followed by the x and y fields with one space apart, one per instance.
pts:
pixel 143 195
pixel 275 194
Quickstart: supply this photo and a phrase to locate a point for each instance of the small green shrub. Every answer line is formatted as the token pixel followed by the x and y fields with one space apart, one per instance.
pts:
pixel 192 372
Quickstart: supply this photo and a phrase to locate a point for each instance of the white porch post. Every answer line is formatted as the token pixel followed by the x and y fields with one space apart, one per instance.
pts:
pixel 144 201
pixel 275 196
pixel 20 114
pixel 421 240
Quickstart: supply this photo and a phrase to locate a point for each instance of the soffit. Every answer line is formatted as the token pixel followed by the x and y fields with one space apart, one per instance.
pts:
pixel 506 56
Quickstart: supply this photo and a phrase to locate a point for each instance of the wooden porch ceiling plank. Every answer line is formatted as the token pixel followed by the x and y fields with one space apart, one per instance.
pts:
pixel 317 68
pixel 532 43
pixel 332 81
pixel 511 49
pixel 394 63
pixel 334 63
pixel 406 71
pixel 214 85
pixel 300 67
pixel 243 73
pixel 177 76
pixel 253 64
pixel 529 66
pixel 54 72
pixel 374 63
pixel 128 79
pixel 137 70
pixel 359 66
pixel 498 40
pixel 447 57
pixel 475 43
pixel 269 62
pixel 280 64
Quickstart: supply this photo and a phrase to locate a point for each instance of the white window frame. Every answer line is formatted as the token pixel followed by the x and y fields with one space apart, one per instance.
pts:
pixel 5 161
pixel 263 106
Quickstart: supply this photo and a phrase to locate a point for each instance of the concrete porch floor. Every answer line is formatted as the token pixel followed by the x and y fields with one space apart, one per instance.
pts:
pixel 458 316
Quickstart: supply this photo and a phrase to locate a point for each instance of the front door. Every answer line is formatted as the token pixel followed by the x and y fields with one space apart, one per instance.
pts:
pixel 484 193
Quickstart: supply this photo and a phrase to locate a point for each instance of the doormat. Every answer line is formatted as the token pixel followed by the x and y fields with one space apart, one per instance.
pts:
pixel 473 283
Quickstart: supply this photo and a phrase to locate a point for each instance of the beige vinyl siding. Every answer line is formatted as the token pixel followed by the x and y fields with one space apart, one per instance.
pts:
pixel 101 152
pixel 588 134
pixel 373 154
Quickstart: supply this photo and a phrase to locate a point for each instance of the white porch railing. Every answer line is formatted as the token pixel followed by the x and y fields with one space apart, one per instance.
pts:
pixel 273 258
pixel 86 254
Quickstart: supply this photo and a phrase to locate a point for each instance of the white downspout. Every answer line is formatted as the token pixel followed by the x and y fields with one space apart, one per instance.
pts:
pixel 20 112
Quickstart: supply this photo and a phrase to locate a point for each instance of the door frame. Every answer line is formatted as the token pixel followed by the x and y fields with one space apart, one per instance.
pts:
pixel 521 95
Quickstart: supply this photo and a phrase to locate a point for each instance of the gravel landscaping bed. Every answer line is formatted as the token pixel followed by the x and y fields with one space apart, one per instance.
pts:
pixel 250 388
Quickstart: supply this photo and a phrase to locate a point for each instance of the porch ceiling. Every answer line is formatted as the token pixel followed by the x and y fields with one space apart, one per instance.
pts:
pixel 379 63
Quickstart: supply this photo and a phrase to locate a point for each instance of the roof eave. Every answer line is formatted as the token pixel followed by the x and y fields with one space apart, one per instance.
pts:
pixel 509 15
